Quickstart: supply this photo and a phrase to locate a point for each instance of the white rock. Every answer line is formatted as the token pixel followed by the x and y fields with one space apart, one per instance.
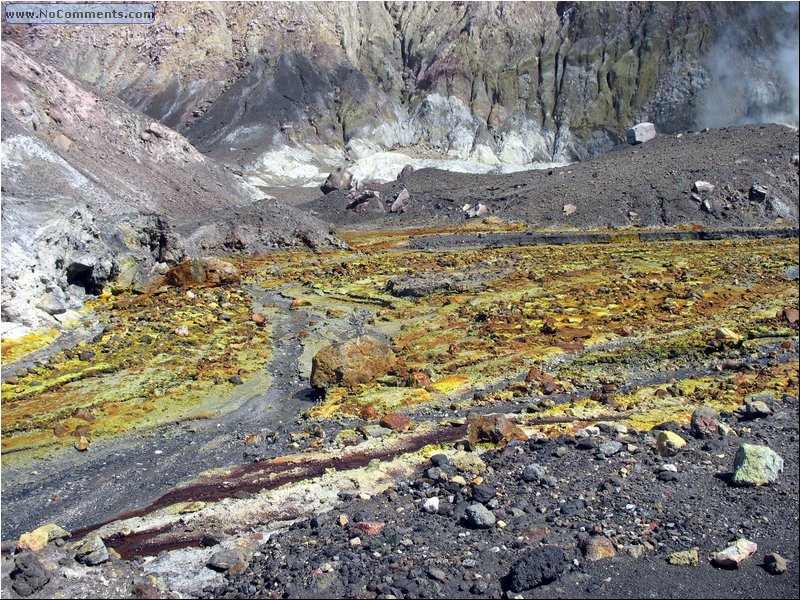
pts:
pixel 703 187
pixel 733 555
pixel 431 505
pixel 641 132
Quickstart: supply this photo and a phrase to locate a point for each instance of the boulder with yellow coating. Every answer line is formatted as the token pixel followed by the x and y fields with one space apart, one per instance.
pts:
pixel 669 444
pixel 350 363
pixel 202 272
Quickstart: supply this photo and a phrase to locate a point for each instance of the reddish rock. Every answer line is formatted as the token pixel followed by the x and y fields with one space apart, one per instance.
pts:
pixel 202 272
pixel 492 428
pixel 733 555
pixel 705 422
pixel 573 333
pixel 349 363
pixel 547 384
pixel 418 379
pixel 259 319
pixel 299 303
pixel 537 533
pixel 549 387
pixel 371 527
pixel 368 413
pixel 396 422
pixel 82 413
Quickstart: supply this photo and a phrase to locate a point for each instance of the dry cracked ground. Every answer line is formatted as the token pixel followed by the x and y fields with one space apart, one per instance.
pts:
pixel 528 431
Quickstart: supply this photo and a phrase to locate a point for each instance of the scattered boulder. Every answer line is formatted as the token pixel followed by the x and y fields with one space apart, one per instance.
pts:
pixel 37 539
pixel 756 410
pixel 202 272
pixel 29 575
pixel 479 210
pixel 705 422
pixel 541 566
pixel 299 303
pixel 685 558
pixel 757 193
pixel 756 465
pixel 468 462
pixel 407 171
pixel 733 555
pixel 494 428
pixel 546 382
pixel 703 187
pixel 669 444
pixel 227 560
pixel 417 286
pixel 598 547
pixel 569 209
pixel 374 205
pixel 361 197
pixel 418 379
pixel 609 448
pixel 92 551
pixel 368 413
pixel 62 142
pixel 775 564
pixel 431 505
pixel 477 516
pixel 395 422
pixel 352 362
pixel 371 528
pixel 724 334
pixel 791 315
pixel 756 407
pixel 533 473
pixel 640 133
pixel 401 203
pixel 339 179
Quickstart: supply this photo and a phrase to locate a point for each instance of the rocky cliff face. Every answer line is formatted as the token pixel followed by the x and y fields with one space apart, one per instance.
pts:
pixel 94 192
pixel 496 82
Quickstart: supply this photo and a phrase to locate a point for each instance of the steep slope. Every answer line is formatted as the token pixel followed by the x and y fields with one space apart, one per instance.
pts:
pixel 497 82
pixel 93 192
pixel 753 169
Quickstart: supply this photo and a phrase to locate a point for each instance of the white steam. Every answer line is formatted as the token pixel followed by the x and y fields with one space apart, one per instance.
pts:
pixel 754 80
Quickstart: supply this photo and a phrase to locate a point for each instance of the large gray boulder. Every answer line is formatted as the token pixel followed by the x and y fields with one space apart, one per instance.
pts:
pixel 641 133
pixel 756 465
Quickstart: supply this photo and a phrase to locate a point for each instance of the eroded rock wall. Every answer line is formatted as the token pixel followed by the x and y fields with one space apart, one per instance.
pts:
pixel 494 81
pixel 96 194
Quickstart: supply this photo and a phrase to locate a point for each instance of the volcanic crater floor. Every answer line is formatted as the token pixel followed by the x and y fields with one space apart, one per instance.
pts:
pixel 161 421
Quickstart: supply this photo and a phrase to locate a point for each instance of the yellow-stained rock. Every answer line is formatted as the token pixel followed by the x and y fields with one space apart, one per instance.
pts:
pixel 352 362
pixel 493 428
pixel 35 541
pixel 728 335
pixel 669 444
pixel 686 558
pixel 598 548
pixel 468 462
